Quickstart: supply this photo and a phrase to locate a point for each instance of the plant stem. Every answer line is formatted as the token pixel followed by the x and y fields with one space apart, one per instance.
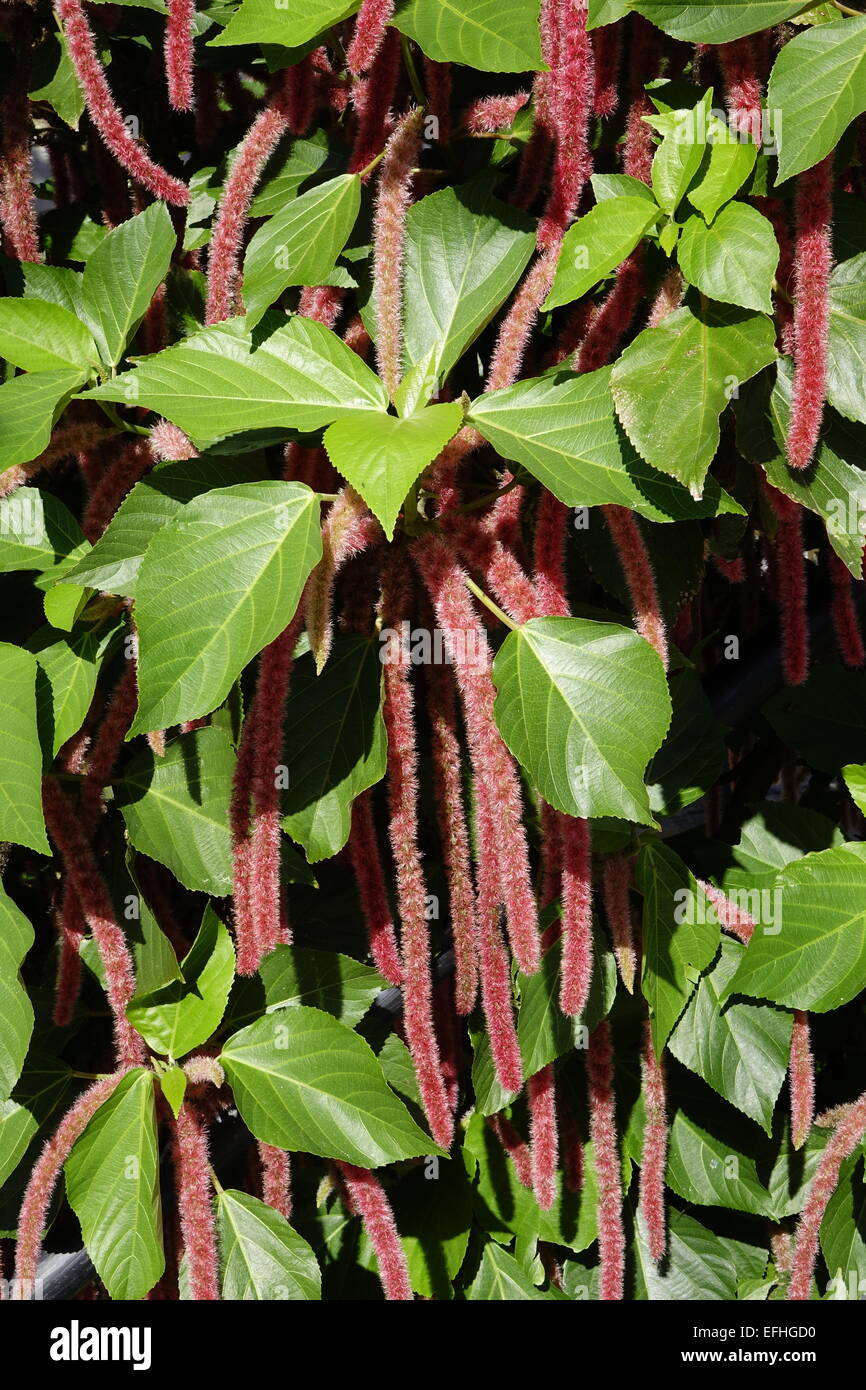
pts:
pixel 488 603
pixel 412 70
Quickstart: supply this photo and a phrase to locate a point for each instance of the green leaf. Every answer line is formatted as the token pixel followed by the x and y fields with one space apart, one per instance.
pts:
pixel 846 357
pixel 501 1279
pixel 325 980
pixel 707 1171
pixel 698 1265
pixel 172 1083
pixel 65 685
pixel 774 836
pixel 112 1182
pixel 606 186
pixel 816 89
pixel 597 244
pixel 708 21
pixel 681 153
pixel 214 384
pixel 465 252
pixel 54 80
pixel 382 455
pixel 53 283
pixel 64 604
pixel 296 21
pixel 176 808
pixel 335 743
pixel 680 936
pixel 261 1256
pixel 734 259
pixel 491 35
pixel 583 706
pixel 21 819
pixel 843 1230
pixel 730 163
pixel 217 584
pixel 16 938
pixel 37 532
pixel 182 1015
pixel 29 405
pixel 300 245
pixel 605 12
pixel 122 275
pixel 739 1049
pixel 302 1080
pixel 543 1030
pixel 305 158
pixel 672 383
pixel 855 781
pixel 564 430
pixel 42 337
pixel 815 958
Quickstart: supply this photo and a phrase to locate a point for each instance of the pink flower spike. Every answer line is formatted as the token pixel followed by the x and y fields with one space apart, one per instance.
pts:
pixel 571 87
pixel 602 1133
pixel 846 624
pixel 576 915
pixel 170 444
pixel 370 882
pixel 813 260
pixel 389 232
pixel 103 110
pixel 541 1093
pixel 514 1146
pixel 617 910
pixel 43 1180
pixel 845 1138
pixel 276 1179
pixel 369 1200
pixel 179 53
pixel 738 923
pixel 195 1205
pixel 801 1080
pixel 347 530
pixel 372 97
pixel 638 570
pixel 17 202
pixel 654 1151
pixel 369 35
pixel 491 114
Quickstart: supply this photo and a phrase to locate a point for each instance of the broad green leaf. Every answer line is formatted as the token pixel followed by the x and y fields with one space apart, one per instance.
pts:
pixel 846 360
pixel 680 936
pixel 564 430
pixel 324 980
pixel 335 743
pixel 433 1211
pixel 64 603
pixel 305 158
pixel 605 12
pixel 597 244
pixel 816 89
pixel 707 1171
pixel 122 276
pixel 115 560
pixel 731 161
pixel 217 584
pixel 776 835
pixel 606 186
pixel 16 938
pixel 681 153
pixel 740 1049
pixel 465 252
pixel 54 283
pixel 382 455
pixel 37 532
pixel 17 1128
pixel 172 1083
pixel 42 337
pixel 215 384
pixel 53 80
pixel 304 1081
pixel 300 245
pixel 290 25
pixel 39 1094
pixel 734 259
pixel 833 486
pixel 715 21
pixel 583 706
pixel 824 719
pixel 69 665
pixel 112 1182
pixel 672 383
pixel 843 1230
pixel 693 753
pixel 21 819
pixel 855 781
pixel 815 958
pixel 182 1015
pixel 491 35
pixel 261 1256
pixel 29 405
pixel 500 1279
pixel 699 1265
pixel 176 808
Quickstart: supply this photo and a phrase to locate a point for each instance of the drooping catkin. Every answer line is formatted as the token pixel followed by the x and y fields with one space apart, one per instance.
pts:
pixel 389 233
pixel 813 260
pixel 602 1132
pixel 845 1138
pixel 640 578
pixel 369 1200
pixel 179 53
pixel 195 1204
pixel 801 1080
pixel 653 1159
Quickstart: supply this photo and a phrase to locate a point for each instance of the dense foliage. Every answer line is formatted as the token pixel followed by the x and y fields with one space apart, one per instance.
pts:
pixel 433 722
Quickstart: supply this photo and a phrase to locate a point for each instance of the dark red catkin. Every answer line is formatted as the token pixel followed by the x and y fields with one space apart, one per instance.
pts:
pixel 571 89
pixel 801 1080
pixel 844 1140
pixel 437 80
pixel 611 320
pixel 17 202
pixel 179 53
pixel 541 1095
pixel 607 55
pixel 370 882
pixel 616 881
pixel 791 581
pixel 276 1179
pixel 743 89
pixel 399 714
pixel 639 575
pixel 195 1204
pixel 644 53
pixel 369 1201
pixel 602 1133
pixel 651 1202
pixel 389 233
pixel 514 1146
pixel 347 530
pixel 103 110
pixel 493 962
pixel 372 97
pixel 846 625
pixel 813 260
pixel 134 459
pixel 43 1180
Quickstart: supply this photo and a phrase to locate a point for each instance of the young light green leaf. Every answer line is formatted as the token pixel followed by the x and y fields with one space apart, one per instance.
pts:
pixel 815 958
pixel 672 383
pixel 37 532
pixel 300 245
pixel 302 1080
pixel 491 35
pixel 583 706
pixel 731 161
pixel 172 1083
pixel 214 384
pixel 42 337
pixel 261 1256
pixel 382 455
pixel 335 745
pixel 597 244
pixel 16 938
pixel 607 186
pixel 53 283
pixel 176 808
pixel 69 665
pixel 296 21
pixel 29 405
pixel 715 21
pixel 680 936
pixel 64 604
pixel 501 1279
pixel 855 781
pixel 734 259
pixel 217 584
pixel 21 819
pixel 564 430
pixel 112 1182
pixel 122 275
pixel 182 1015
pixel 680 154
pixel 54 80
pixel 846 359
pixel 816 89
